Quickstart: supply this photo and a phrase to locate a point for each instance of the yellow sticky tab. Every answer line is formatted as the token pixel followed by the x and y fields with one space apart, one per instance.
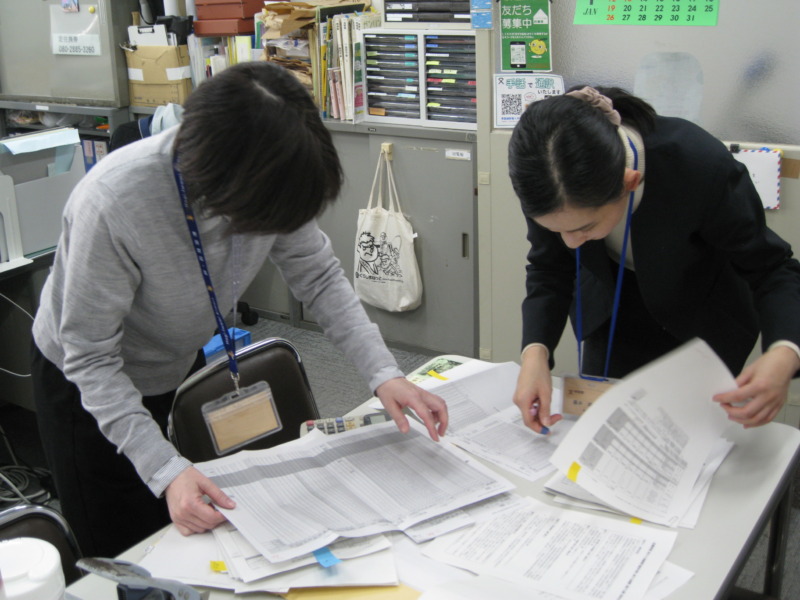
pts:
pixel 572 474
pixel 218 566
pixel 448 80
pixel 433 373
pixel 636 521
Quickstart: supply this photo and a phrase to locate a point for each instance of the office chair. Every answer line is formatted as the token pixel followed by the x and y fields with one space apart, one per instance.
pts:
pixel 44 523
pixel 273 360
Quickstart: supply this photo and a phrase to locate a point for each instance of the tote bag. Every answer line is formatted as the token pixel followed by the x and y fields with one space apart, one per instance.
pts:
pixel 386 270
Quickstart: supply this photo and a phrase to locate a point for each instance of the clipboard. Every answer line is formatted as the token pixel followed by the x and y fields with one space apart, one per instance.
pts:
pixel 148 35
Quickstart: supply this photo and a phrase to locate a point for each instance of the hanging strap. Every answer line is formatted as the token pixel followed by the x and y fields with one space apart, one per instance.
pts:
pixel 194 232
pixel 384 164
pixel 617 291
pixel 394 197
pixel 377 182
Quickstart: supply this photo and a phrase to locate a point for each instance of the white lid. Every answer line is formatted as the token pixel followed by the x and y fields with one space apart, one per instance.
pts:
pixel 31 570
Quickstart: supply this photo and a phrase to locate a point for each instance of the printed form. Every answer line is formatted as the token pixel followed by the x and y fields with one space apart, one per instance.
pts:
pixel 565 553
pixel 642 445
pixel 302 495
pixel 484 420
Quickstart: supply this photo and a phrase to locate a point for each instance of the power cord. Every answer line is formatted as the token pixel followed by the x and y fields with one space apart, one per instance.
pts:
pixel 30 316
pixel 16 479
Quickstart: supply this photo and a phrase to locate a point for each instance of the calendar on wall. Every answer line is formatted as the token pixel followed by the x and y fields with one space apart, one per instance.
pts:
pixel 647 12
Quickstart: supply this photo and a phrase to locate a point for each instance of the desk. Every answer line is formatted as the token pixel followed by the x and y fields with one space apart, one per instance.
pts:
pixel 752 485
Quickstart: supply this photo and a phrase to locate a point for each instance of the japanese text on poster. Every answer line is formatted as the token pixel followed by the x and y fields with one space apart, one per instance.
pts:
pixel 514 93
pixel 525 35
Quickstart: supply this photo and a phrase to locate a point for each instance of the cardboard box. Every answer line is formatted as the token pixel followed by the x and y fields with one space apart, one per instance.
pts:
pixel 158 75
pixel 227 9
pixel 215 27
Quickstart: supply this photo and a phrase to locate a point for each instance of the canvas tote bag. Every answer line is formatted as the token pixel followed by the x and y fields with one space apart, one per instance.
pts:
pixel 386 270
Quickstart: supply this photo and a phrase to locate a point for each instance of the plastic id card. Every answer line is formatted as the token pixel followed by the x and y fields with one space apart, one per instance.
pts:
pixel 238 418
pixel 580 393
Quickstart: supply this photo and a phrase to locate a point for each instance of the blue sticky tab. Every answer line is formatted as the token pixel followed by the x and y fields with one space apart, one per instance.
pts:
pixel 325 557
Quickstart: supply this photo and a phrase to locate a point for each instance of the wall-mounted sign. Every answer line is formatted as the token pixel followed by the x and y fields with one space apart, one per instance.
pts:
pixel 525 35
pixel 514 93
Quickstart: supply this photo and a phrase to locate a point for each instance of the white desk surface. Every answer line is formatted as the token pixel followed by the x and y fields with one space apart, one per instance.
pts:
pixel 743 493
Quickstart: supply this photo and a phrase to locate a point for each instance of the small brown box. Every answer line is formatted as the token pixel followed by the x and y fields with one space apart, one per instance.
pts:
pixel 227 9
pixel 213 27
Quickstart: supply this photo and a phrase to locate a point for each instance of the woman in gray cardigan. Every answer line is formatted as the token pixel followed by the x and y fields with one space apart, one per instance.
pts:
pixel 126 308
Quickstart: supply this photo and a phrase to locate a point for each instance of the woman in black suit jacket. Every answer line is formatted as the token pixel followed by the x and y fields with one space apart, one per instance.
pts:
pixel 601 176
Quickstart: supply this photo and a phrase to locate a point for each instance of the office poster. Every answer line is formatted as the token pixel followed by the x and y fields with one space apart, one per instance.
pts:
pixel 525 35
pixel 513 93
pixel 646 12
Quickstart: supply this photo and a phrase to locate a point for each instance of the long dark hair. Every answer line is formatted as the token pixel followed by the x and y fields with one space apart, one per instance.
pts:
pixel 252 147
pixel 565 151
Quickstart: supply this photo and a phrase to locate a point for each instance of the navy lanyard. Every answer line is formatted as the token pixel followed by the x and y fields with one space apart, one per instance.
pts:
pixel 201 259
pixel 617 292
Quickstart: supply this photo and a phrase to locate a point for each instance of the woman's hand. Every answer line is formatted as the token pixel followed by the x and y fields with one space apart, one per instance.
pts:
pixel 762 388
pixel 398 393
pixel 187 506
pixel 534 390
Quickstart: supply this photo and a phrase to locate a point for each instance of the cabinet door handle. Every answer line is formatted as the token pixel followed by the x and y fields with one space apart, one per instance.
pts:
pixel 465 245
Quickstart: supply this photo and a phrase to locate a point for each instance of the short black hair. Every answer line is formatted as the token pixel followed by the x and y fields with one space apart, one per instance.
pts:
pixel 565 151
pixel 252 147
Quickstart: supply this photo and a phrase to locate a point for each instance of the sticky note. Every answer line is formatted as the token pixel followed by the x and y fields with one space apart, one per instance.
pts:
pixel 325 557
pixel 218 566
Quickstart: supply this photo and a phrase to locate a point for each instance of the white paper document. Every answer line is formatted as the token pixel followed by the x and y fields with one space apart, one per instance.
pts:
pixel 503 439
pixel 198 560
pixel 669 578
pixel 302 495
pixel 642 445
pixel 244 562
pixel 573 555
pixel 571 494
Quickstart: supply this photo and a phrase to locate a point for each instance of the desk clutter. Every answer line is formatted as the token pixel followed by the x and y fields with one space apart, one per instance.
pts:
pixel 373 509
pixel 360 64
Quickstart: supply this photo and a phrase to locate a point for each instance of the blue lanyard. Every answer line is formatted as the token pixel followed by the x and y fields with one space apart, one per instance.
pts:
pixel 617 292
pixel 201 259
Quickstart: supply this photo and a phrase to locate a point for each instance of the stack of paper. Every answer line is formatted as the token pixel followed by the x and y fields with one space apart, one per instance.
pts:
pixel 650 444
pixel 323 501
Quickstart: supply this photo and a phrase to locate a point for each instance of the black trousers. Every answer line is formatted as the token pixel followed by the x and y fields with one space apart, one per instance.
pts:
pixel 638 337
pixel 102 497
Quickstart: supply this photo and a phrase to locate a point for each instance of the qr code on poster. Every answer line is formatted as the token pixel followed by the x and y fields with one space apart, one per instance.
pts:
pixel 511 104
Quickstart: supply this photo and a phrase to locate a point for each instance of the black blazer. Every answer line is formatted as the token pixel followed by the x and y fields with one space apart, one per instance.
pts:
pixel 706 263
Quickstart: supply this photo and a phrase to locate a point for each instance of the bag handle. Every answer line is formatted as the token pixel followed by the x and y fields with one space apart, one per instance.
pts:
pixel 377 181
pixel 394 197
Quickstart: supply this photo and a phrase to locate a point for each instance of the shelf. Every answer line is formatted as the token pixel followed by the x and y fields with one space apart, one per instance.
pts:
pixel 116 116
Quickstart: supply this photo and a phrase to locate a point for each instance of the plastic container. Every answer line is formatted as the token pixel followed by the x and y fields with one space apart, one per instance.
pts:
pixel 31 570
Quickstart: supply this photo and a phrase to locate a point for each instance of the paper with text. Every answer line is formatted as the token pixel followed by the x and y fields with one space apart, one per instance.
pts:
pixel 302 495
pixel 574 555
pixel 641 446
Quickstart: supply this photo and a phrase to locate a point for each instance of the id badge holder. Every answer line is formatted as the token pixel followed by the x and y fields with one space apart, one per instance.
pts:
pixel 580 393
pixel 241 417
